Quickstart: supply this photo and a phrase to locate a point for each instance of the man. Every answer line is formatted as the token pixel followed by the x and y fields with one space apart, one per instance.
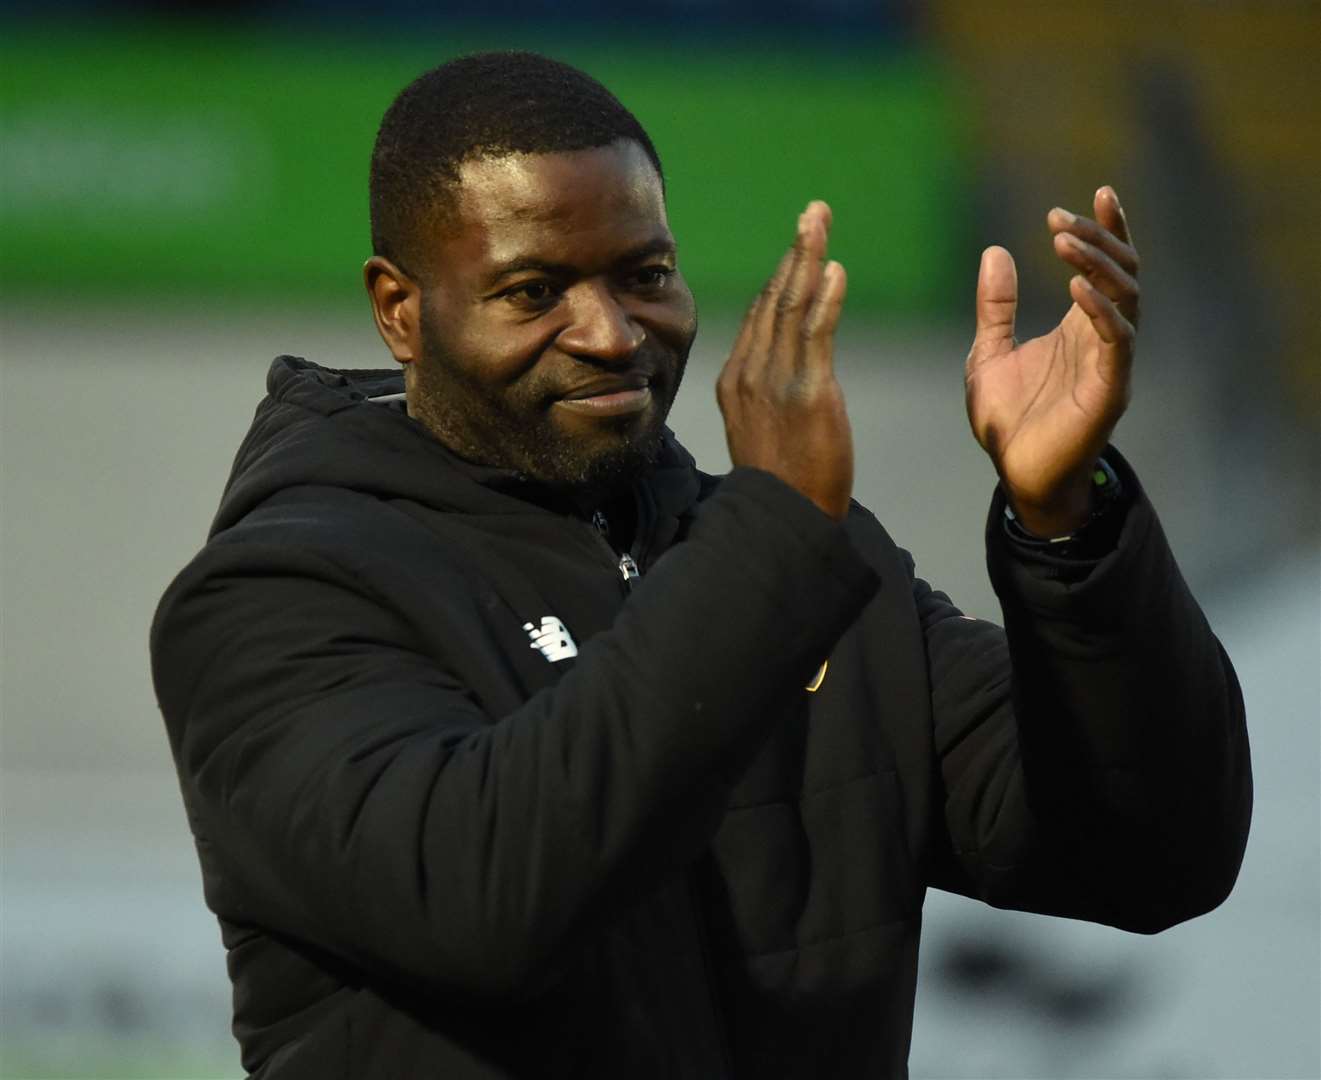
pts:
pixel 515 746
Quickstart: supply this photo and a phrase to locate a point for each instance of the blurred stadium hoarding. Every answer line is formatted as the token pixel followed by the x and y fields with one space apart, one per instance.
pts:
pixel 152 160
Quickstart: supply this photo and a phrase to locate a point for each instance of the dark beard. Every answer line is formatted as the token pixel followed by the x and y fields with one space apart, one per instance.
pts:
pixel 515 431
pixel 563 465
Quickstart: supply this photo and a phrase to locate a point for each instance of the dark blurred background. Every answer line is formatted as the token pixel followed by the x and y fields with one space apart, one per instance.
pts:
pixel 183 195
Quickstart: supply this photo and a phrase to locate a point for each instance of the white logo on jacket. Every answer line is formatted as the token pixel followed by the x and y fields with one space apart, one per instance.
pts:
pixel 552 637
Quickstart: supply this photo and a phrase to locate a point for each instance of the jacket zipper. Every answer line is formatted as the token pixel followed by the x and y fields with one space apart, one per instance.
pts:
pixel 630 572
pixel 627 567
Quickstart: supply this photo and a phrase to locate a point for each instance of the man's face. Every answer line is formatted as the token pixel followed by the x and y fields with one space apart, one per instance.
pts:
pixel 555 326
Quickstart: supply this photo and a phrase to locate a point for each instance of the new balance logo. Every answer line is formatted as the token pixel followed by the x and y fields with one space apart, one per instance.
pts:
pixel 551 638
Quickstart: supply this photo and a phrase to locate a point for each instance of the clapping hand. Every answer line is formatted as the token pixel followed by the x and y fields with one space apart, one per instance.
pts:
pixel 1044 409
pixel 783 407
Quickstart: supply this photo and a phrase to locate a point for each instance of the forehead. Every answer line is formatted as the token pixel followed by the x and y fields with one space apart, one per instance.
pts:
pixel 585 199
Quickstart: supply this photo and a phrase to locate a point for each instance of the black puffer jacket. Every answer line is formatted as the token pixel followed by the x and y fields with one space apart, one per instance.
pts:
pixel 439 845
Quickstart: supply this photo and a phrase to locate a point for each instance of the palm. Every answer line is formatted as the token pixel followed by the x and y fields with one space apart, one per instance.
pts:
pixel 1044 409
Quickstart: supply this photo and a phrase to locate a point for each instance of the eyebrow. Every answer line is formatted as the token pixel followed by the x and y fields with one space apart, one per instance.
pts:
pixel 522 264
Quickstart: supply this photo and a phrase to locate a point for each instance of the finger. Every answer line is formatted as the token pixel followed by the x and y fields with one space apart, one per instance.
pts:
pixel 997 303
pixel 1106 318
pixel 733 367
pixel 758 329
pixel 1110 213
pixel 775 284
pixel 800 286
pixel 1101 270
pixel 822 319
pixel 753 343
pixel 748 327
pixel 1096 233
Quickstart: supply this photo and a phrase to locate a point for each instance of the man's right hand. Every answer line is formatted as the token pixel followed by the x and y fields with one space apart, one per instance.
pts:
pixel 783 408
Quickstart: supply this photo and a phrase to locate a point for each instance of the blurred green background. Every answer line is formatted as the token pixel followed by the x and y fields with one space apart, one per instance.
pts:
pixel 188 161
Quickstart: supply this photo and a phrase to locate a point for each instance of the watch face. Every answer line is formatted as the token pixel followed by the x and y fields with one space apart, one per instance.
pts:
pixel 1106 480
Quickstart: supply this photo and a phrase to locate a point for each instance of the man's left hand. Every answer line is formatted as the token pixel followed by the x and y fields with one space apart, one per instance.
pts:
pixel 1044 409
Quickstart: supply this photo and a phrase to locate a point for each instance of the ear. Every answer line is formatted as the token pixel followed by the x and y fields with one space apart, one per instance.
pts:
pixel 396 306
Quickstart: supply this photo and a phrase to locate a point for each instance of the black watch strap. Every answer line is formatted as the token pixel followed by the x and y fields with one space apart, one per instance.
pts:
pixel 1095 536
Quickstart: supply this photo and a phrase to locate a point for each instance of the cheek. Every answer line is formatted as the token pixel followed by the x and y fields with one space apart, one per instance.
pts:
pixel 682 314
pixel 499 352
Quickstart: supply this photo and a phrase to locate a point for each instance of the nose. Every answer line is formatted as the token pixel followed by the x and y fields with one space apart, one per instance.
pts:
pixel 599 327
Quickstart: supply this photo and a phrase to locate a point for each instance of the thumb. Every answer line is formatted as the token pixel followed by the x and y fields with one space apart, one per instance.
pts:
pixel 997 302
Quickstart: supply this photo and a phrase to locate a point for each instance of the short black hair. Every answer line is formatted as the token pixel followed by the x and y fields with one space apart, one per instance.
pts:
pixel 484 105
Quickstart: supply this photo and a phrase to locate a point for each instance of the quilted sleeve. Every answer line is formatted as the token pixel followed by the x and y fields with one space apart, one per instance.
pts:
pixel 1093 754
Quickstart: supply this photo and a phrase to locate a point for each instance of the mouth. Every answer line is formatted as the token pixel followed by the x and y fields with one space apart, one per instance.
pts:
pixel 610 396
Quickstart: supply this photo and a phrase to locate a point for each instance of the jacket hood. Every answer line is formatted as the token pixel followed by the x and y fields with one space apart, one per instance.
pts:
pixel 349 429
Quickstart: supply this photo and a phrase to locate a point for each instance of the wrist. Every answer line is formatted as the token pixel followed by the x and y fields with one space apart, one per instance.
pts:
pixel 1105 493
pixel 1062 516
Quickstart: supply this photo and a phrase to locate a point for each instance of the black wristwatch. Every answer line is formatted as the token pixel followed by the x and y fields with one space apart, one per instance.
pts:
pixel 1092 538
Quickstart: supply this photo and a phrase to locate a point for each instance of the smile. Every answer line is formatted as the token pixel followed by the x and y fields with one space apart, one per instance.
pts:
pixel 610 403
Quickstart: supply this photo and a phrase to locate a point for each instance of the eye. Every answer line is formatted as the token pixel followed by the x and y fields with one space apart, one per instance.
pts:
pixel 651 277
pixel 536 294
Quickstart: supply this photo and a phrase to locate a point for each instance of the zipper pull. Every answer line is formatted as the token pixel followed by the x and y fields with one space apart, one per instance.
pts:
pixel 628 569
